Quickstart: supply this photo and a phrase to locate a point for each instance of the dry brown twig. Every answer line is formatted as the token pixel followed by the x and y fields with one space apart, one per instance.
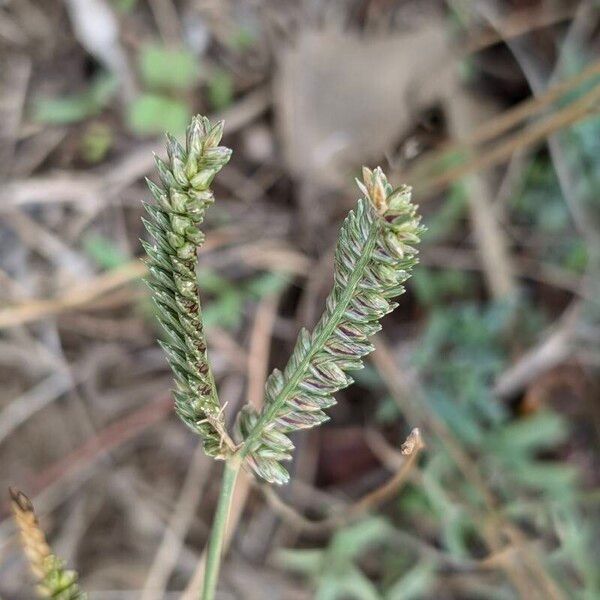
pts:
pixel 517 23
pixel 258 255
pixel 449 257
pixel 167 20
pixel 501 124
pixel 410 449
pixel 491 241
pixel 584 107
pixel 78 296
pixel 83 294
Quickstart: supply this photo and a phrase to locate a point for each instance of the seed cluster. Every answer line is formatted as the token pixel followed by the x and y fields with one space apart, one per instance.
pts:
pixel 374 256
pixel 181 202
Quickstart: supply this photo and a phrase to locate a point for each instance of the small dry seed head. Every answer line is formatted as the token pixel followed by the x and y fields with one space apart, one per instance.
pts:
pixel 32 537
pixel 413 443
pixel 53 580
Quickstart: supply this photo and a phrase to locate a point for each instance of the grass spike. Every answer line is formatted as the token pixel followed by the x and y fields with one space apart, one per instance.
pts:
pixel 374 256
pixel 181 199
pixel 53 579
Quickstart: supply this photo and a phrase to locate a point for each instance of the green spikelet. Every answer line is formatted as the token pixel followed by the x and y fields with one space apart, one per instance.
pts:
pixel 374 256
pixel 179 209
pixel 54 580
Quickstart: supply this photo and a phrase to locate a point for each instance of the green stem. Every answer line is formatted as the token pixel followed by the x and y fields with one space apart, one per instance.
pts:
pixel 219 527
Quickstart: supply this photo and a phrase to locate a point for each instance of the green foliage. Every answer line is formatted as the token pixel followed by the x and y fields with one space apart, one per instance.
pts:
pixel 414 584
pixel 59 583
pixel 540 202
pixel 168 68
pixel 96 142
pixel 433 287
pixel 180 205
pixel 77 107
pixel 226 305
pixel 540 185
pixel 539 205
pixel 578 534
pixel 151 114
pixel 459 355
pixel 242 38
pixel 220 89
pixel 576 256
pixel 462 351
pixel 333 571
pixel 374 256
pixel 124 6
pixel 441 224
pixel 165 74
pixel 104 251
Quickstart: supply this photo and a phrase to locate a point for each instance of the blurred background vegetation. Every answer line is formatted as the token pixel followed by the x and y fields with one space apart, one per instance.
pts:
pixel 489 109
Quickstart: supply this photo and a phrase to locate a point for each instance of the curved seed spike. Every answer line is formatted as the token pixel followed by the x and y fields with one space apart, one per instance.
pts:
pixel 181 202
pixel 373 255
pixel 54 580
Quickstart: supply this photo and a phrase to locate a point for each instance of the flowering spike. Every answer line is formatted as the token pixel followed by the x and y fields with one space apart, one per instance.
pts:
pixel 181 202
pixel 374 256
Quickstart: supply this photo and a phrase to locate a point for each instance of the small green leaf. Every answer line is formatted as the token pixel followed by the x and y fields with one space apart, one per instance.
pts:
pixel 576 257
pixel 388 411
pixel 76 107
pixel 212 283
pixel 220 89
pixel 530 434
pixel 414 584
pixel 166 68
pixel 104 251
pixel 124 6
pixel 242 39
pixel 350 542
pixel 351 584
pixel 225 310
pixel 307 562
pixel 96 142
pixel 551 477
pixel 433 286
pixel 151 114
pixel 266 284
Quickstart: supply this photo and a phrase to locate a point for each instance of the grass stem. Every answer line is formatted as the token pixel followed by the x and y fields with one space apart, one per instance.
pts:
pixel 219 527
